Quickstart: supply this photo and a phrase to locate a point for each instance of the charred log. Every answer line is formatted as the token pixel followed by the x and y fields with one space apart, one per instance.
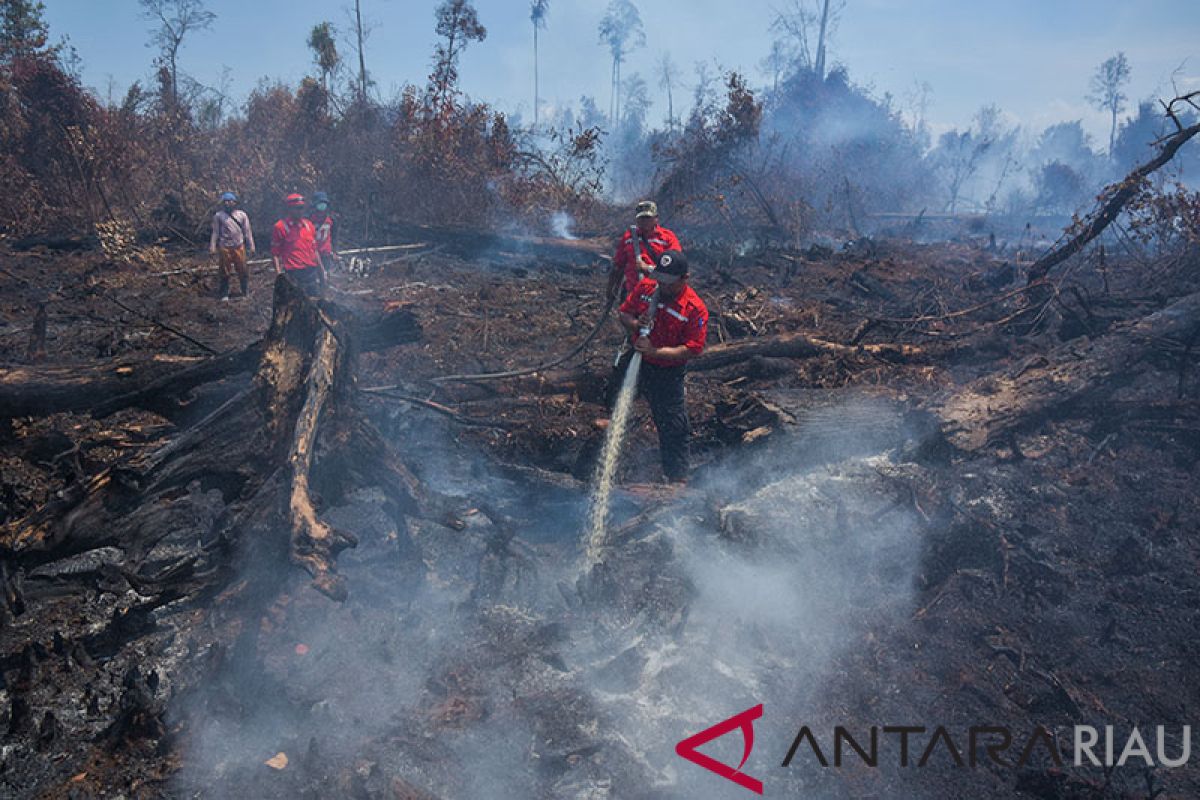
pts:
pixel 158 384
pixel 993 408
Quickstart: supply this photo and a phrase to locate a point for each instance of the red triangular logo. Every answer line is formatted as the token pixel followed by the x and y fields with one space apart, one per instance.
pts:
pixel 745 721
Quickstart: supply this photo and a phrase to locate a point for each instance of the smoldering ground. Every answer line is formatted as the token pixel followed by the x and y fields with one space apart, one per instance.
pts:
pixel 488 662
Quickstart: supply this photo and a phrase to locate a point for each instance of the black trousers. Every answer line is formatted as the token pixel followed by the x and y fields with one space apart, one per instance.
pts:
pixel 663 389
pixel 309 280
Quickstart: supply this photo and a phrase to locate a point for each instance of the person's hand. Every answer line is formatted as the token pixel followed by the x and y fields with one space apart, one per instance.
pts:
pixel 614 283
pixel 644 321
pixel 643 346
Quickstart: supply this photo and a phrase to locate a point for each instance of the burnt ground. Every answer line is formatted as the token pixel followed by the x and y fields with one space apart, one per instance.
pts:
pixel 842 556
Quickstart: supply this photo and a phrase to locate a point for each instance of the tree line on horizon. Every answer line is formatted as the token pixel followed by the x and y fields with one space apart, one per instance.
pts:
pixel 810 150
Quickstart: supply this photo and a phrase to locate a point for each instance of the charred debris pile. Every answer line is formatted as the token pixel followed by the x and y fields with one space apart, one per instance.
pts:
pixel 266 548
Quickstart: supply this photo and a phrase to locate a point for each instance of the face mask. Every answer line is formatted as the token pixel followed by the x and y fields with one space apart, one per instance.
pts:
pixel 321 207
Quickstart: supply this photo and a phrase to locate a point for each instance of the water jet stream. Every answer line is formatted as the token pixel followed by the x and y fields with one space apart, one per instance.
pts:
pixel 607 470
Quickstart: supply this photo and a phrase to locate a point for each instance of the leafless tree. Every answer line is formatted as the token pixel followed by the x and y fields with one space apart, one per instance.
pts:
pixel 538 9
pixel 799 22
pixel 360 37
pixel 775 63
pixel 1106 91
pixel 958 156
pixel 173 20
pixel 620 29
pixel 668 74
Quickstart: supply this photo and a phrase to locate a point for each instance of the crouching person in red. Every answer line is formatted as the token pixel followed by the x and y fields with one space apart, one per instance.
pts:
pixel 294 248
pixel 677 333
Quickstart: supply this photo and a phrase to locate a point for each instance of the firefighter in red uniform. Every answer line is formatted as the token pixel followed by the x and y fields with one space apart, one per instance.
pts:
pixel 294 247
pixel 633 261
pixel 677 335
pixel 324 222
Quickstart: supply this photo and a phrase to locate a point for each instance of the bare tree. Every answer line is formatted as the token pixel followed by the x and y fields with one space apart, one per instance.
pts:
pixel 819 66
pixel 800 21
pixel 620 29
pixel 457 23
pixel 776 62
pixel 958 156
pixel 322 42
pixel 917 100
pixel 1106 91
pixel 668 74
pixel 173 21
pixel 360 36
pixel 702 92
pixel 538 9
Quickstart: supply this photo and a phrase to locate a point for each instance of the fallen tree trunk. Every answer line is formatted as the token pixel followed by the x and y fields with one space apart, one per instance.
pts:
pixel 157 383
pixel 1114 198
pixel 38 390
pixel 588 382
pixel 272 453
pixel 991 409
pixel 795 345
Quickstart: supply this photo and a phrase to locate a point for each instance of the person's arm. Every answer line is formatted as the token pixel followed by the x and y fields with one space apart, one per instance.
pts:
pixel 697 333
pixel 644 255
pixel 633 314
pixel 212 242
pixel 619 255
pixel 248 231
pixel 616 276
pixel 679 353
pixel 276 249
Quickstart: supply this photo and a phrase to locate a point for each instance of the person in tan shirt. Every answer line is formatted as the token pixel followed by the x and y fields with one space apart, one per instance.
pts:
pixel 231 237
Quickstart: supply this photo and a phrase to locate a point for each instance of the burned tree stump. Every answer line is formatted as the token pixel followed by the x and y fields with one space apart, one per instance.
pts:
pixel 271 446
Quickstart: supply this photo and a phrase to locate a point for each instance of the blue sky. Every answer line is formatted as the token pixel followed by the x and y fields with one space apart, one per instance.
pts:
pixel 1033 58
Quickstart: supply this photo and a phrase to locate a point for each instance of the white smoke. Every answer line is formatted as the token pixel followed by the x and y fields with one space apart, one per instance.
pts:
pixel 562 224
pixel 474 665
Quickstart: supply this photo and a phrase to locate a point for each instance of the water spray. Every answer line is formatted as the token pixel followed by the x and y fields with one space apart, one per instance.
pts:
pixel 611 455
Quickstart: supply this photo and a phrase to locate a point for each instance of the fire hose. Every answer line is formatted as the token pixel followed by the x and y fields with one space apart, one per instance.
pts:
pixel 516 373
pixel 635 236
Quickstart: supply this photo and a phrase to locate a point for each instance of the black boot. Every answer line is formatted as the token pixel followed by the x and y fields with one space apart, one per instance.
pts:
pixel 245 285
pixel 224 292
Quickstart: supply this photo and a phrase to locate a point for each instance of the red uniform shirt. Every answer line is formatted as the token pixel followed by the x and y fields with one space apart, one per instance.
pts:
pixel 683 320
pixel 294 243
pixel 652 246
pixel 323 223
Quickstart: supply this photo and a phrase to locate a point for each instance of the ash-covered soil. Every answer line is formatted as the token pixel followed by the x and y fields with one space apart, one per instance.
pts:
pixel 844 555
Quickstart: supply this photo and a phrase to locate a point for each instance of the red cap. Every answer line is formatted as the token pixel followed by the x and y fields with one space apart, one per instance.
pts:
pixel 294 200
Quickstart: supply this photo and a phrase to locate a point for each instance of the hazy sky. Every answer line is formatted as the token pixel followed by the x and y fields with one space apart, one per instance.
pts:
pixel 1031 57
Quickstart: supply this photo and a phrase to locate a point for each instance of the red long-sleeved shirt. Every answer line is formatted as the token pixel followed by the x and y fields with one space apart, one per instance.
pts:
pixel 294 243
pixel 324 225
pixel 659 241
pixel 683 320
